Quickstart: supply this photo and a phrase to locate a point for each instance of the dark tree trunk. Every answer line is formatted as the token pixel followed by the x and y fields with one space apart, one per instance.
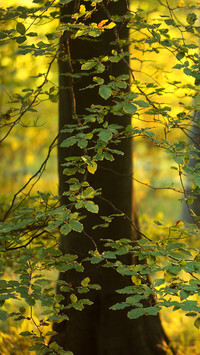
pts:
pixel 97 330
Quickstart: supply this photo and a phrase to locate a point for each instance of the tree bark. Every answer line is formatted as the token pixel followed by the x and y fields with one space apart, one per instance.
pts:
pixel 97 330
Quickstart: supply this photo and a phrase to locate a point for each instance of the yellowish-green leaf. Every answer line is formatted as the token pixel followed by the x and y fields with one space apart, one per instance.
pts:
pixel 73 298
pixel 85 282
pixel 135 280
pixel 92 168
pixel 110 25
pixel 91 207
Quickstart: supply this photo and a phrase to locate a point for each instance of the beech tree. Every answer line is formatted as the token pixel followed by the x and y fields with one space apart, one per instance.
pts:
pixel 99 330
pixel 105 301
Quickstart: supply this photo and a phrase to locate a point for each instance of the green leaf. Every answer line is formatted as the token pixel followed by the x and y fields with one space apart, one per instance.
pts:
pixel 170 22
pixel 197 180
pixel 30 300
pixel 3 315
pixel 178 66
pixel 190 306
pixel 173 246
pixel 151 310
pixel 180 55
pixel 76 226
pixel 159 282
pixel 88 65
pixel 3 35
pixel 191 314
pixel 136 313
pixel 3 301
pixel 197 323
pixel 20 39
pixel 20 28
pixel 88 192
pixel 105 135
pixel 26 334
pixel 69 171
pixel 187 71
pixel 96 259
pixel 53 98
pixel 91 207
pixel 105 91
pixel 191 18
pixel 94 33
pixel 119 306
pixel 178 160
pixel 82 143
pixel 108 156
pixel 32 34
pixel 22 310
pixel 100 68
pixel 68 142
pixel 65 229
pixel 141 103
pixel 129 108
pixel 54 346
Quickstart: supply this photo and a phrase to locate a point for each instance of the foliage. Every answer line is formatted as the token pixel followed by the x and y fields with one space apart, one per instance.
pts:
pixel 31 222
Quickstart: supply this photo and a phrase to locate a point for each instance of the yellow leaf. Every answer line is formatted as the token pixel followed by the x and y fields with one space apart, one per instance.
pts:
pixel 73 298
pixel 181 3
pixel 92 168
pixel 82 9
pixel 135 280
pixel 111 25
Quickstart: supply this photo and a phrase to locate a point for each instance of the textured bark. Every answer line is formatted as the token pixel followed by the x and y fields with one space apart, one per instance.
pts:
pixel 98 330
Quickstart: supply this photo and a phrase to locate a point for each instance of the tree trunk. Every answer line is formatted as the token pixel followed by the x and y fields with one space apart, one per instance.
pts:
pixel 190 211
pixel 97 330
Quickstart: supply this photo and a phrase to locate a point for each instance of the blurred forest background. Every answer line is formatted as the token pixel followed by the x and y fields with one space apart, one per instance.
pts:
pixel 23 152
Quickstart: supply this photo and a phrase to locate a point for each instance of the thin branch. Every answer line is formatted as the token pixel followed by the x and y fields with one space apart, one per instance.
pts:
pixel 127 217
pixel 141 182
pixel 26 244
pixel 39 172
